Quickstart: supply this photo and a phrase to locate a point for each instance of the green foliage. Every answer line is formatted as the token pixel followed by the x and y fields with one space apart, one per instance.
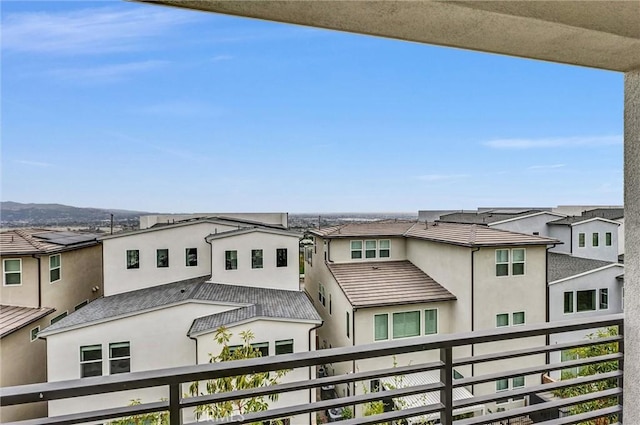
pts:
pixel 161 418
pixel 602 367
pixel 347 413
pixel 228 409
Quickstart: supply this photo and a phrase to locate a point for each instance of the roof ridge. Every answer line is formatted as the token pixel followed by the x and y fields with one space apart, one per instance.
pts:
pixel 29 239
pixel 473 234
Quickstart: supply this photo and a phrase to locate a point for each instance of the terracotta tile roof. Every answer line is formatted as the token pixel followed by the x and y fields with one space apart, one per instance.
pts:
pixel 13 318
pixel 42 241
pixel 382 283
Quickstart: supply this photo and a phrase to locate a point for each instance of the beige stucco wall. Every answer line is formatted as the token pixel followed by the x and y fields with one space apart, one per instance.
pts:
pixel 269 276
pixel 340 250
pixel 25 294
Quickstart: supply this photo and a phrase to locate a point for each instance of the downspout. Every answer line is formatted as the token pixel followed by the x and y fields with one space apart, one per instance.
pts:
pixel 473 325
pixel 353 366
pixel 310 376
pixel 546 300
pixel 328 250
pixel 37 257
pixel 210 256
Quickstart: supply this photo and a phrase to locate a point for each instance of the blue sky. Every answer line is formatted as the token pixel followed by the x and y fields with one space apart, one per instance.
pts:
pixel 121 105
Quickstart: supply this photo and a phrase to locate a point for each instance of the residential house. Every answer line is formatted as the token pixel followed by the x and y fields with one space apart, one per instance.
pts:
pixel 158 315
pixel 46 275
pixel 516 220
pixel 586 236
pixel 581 287
pixel 388 280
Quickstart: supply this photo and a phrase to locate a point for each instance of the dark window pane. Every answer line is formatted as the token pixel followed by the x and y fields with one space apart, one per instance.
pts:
pixel 502 269
pixel 586 300
pixel 119 366
pixel 91 369
pixel 162 258
pixel 284 347
pixel 191 257
pixel 281 257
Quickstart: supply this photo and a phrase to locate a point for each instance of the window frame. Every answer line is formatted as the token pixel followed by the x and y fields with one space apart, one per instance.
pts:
pixel 187 262
pixel 603 299
pixel 322 294
pixel 131 255
pixel 437 323
pixel 514 262
pixel 257 259
pixel 282 260
pixel 582 240
pixel 386 251
pixel 58 268
pixel 231 259
pixel 594 299
pixel 123 358
pixel 502 381
pixel 32 336
pixel 396 334
pixel 284 343
pixel 507 315
pixel 92 361
pixel 608 239
pixel 80 305
pixel 356 250
pixel 5 272
pixel 348 325
pixel 383 318
pixel 158 264
pixel 513 318
pixel 595 239
pixel 262 347
pixel 58 317
pixel 370 249
pixel 501 262
pixel 569 302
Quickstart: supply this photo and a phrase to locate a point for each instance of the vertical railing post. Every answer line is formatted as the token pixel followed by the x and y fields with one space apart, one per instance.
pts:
pixel 446 393
pixel 621 367
pixel 175 415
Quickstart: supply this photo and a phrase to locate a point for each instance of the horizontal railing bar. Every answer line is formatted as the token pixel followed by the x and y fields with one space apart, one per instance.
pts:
pixel 480 379
pixel 112 413
pixel 581 417
pixel 136 380
pixel 332 403
pixel 533 351
pixel 542 388
pixel 303 385
pixel 527 410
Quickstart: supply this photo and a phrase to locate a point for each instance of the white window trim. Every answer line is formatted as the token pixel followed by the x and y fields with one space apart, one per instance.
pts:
pixel 510 263
pixel 59 268
pixel 361 250
pixel 37 329
pixel 259 255
pixel 597 300
pixel 424 331
pixel 508 319
pixel 375 250
pixel 186 257
pixel 101 360
pixel 597 237
pixel 4 272
pixel 513 320
pixel 374 327
pixel 420 324
pixel 119 358
pixel 584 240
pixel 126 259
pixel 386 249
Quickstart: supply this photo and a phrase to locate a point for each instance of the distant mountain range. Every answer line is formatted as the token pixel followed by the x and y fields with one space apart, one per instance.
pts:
pixel 14 214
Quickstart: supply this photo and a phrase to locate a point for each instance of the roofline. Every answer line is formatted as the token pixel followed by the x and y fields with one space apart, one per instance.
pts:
pixel 527 216
pixel 253 319
pixel 64 248
pixel 575 276
pixel 42 314
pixel 488 245
pixel 230 233
pixel 388 304
pixel 584 221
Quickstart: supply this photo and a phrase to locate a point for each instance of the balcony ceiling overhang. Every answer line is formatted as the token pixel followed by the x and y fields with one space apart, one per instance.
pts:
pixel 596 34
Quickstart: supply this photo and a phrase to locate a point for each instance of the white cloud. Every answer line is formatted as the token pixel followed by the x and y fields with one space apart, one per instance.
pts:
pixel 88 31
pixel 557 142
pixel 180 108
pixel 221 58
pixel 546 167
pixel 441 177
pixel 33 163
pixel 106 73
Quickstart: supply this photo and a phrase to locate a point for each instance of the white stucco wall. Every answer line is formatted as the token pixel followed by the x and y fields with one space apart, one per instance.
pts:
pixel 562 233
pixel 340 250
pixel 600 252
pixel 281 219
pixel 529 225
pixel 118 279
pixel 269 276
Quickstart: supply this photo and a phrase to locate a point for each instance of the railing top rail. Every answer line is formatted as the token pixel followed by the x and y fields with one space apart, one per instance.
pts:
pixel 177 375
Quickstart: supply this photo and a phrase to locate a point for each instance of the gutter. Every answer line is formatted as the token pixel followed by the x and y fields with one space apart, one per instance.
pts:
pixel 546 298
pixel 39 258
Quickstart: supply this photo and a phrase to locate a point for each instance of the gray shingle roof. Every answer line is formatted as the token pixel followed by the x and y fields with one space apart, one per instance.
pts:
pixel 561 266
pixel 484 217
pixel 382 283
pixel 572 219
pixel 274 303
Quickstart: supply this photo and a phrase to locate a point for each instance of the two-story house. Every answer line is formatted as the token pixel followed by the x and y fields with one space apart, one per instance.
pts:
pixel 46 275
pixel 388 280
pixel 168 289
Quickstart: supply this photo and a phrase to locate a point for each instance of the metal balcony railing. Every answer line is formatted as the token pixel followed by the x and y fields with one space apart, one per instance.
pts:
pixel 444 409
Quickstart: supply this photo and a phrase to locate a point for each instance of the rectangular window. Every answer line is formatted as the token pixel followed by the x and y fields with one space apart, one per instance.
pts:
pixel 586 300
pixel 518 318
pixel 518 260
pixel 517 382
pixel 82 304
pixel 581 240
pixel 231 260
pixel 406 324
pixel 330 304
pixel 384 248
pixel 256 258
pixel 604 299
pixel 502 320
pixel 90 360
pixel 162 258
pixel 381 325
pixel 568 302
pixel 12 272
pixel 59 317
pixel 356 249
pixel 281 257
pixel 594 239
pixel 502 385
pixel 133 259
pixel 321 294
pixel 34 333
pixel 502 262
pixel 262 347
pixel 119 358
pixel 567 356
pixel 607 239
pixel 431 321
pixel 348 325
pixel 370 249
pixel 284 347
pixel 54 268
pixel 191 257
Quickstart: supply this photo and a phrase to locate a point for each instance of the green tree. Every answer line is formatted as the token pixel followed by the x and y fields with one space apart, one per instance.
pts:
pixel 161 418
pixel 228 409
pixel 601 367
